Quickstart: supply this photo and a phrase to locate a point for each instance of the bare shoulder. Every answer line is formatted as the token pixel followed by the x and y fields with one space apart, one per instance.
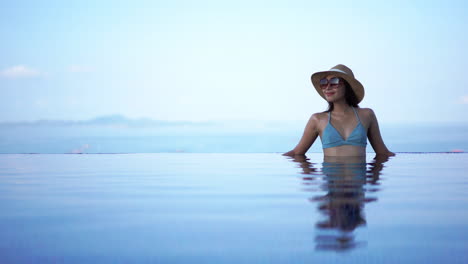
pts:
pixel 366 113
pixel 318 120
pixel 315 119
pixel 319 116
pixel 367 116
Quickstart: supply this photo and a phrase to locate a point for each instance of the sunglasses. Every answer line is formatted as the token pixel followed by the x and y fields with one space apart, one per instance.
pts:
pixel 334 82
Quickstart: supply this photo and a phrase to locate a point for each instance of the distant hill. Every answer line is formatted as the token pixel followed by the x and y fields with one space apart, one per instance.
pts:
pixel 108 120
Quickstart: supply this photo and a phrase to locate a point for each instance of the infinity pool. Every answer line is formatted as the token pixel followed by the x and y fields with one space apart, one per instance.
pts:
pixel 233 208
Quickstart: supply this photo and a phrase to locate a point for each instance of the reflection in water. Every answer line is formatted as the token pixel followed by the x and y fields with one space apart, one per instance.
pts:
pixel 347 181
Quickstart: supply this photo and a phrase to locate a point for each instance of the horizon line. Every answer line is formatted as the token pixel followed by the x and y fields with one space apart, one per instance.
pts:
pixel 120 118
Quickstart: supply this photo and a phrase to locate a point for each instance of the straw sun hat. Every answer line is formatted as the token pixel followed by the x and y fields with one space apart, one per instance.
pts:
pixel 341 71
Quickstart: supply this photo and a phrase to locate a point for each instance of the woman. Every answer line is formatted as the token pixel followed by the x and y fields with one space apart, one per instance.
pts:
pixel 344 128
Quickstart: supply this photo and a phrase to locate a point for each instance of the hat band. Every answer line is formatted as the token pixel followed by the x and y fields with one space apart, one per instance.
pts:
pixel 336 70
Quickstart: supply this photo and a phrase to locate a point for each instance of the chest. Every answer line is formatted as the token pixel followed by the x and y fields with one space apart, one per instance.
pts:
pixel 344 125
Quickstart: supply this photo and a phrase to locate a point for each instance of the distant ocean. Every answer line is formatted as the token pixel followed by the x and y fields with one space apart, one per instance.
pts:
pixel 117 134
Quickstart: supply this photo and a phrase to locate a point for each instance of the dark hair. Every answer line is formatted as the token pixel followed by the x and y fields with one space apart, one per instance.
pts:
pixel 350 97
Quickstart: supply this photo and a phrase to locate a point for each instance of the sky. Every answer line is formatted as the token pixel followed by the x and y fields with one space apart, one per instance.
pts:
pixel 229 60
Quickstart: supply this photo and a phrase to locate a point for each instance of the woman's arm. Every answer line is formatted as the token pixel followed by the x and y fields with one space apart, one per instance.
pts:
pixel 308 138
pixel 375 138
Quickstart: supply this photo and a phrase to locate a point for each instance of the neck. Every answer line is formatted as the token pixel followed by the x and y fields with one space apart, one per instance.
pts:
pixel 341 107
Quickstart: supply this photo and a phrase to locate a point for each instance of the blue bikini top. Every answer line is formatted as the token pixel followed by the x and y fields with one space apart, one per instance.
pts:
pixel 332 138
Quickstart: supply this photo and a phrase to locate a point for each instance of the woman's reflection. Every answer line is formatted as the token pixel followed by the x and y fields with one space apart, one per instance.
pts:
pixel 347 182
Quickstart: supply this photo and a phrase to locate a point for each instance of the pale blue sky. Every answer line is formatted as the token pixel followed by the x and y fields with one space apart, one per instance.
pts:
pixel 224 60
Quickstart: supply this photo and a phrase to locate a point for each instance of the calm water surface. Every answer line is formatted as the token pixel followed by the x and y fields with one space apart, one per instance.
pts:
pixel 233 208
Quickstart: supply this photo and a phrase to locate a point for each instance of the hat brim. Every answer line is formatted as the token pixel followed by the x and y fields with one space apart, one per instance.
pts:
pixel 355 84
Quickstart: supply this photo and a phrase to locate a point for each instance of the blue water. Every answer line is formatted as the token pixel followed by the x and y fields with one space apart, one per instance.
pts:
pixel 209 138
pixel 232 208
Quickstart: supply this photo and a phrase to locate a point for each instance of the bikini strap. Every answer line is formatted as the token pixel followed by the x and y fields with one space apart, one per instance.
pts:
pixel 329 117
pixel 357 116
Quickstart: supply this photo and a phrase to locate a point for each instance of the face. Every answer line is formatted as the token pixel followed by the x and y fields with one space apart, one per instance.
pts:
pixel 333 88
